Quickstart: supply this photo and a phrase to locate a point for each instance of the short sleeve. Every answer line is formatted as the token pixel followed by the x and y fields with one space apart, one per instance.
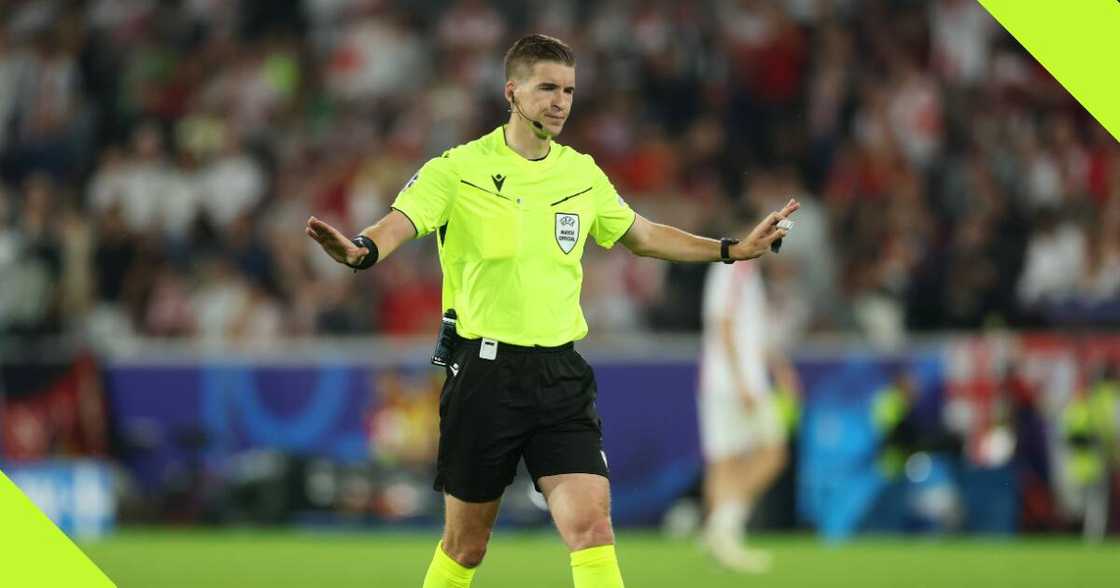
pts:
pixel 426 198
pixel 613 216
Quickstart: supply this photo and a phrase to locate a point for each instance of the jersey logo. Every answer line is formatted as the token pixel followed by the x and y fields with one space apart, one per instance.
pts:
pixel 567 231
pixel 498 179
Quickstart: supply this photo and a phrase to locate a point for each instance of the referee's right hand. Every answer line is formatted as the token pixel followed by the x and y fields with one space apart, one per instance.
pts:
pixel 336 244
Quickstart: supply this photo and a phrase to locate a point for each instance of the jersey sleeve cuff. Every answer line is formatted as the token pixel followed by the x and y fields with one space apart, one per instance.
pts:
pixel 419 233
pixel 609 243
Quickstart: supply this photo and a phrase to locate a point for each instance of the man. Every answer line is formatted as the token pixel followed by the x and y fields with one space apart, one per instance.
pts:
pixel 742 428
pixel 512 212
pixel 1088 431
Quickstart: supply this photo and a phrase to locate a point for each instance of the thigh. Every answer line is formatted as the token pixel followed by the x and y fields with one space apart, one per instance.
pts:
pixel 580 505
pixel 725 429
pixel 468 521
pixel 723 478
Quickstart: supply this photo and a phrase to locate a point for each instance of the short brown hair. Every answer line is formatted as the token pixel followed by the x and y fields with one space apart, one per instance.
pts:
pixel 528 50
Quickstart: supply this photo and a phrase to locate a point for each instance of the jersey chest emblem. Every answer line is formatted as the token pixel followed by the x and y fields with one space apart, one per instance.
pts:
pixel 567 231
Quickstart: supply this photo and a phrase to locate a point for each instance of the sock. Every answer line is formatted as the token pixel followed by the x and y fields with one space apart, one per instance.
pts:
pixel 728 521
pixel 445 572
pixel 596 567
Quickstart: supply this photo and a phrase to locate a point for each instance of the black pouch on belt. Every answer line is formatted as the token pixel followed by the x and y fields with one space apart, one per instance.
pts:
pixel 448 339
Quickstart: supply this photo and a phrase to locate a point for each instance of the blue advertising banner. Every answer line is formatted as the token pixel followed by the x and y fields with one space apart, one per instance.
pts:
pixel 839 479
pixel 649 434
pixel 302 411
pixel 383 420
pixel 175 417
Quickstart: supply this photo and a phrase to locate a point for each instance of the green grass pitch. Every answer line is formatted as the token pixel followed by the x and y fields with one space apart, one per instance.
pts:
pixel 215 559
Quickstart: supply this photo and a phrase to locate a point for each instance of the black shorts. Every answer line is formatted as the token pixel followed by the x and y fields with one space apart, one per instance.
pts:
pixel 529 402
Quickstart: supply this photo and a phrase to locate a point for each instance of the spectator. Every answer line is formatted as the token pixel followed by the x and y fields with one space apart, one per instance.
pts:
pixel 1054 262
pixel 936 143
pixel 231 185
pixel 1101 281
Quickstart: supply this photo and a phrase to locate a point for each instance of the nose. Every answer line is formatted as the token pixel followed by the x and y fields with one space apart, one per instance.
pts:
pixel 561 102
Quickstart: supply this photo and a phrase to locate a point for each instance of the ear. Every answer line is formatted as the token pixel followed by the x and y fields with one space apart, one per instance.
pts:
pixel 510 87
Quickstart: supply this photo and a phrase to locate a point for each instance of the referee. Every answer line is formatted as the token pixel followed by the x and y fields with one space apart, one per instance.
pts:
pixel 512 212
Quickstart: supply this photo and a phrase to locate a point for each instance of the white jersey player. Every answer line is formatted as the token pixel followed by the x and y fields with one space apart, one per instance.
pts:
pixel 741 428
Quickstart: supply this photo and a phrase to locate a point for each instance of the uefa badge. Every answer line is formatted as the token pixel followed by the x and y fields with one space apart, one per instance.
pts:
pixel 567 231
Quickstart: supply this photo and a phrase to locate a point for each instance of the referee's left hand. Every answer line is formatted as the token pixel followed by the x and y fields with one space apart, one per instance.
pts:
pixel 759 239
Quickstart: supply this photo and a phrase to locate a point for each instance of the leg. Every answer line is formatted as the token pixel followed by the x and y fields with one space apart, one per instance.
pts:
pixel 762 468
pixel 734 483
pixel 466 530
pixel 566 460
pixel 479 446
pixel 1096 510
pixel 731 486
pixel 729 497
pixel 580 506
pixel 748 471
pixel 465 535
pixel 722 481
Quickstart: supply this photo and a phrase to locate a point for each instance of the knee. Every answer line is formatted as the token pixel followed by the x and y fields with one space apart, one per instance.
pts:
pixel 591 532
pixel 781 455
pixel 466 550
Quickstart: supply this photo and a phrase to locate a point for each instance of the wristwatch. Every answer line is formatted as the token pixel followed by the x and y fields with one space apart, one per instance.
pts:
pixel 725 249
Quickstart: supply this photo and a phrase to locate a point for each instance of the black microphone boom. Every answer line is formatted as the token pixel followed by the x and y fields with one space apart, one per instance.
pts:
pixel 536 124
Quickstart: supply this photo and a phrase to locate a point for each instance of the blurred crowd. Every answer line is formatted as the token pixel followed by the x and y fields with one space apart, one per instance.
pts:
pixel 158 160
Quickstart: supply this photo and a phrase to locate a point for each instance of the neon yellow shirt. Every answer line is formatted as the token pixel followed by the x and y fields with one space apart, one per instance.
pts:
pixel 511 233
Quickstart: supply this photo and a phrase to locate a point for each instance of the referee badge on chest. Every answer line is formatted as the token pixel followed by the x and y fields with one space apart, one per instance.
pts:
pixel 567 231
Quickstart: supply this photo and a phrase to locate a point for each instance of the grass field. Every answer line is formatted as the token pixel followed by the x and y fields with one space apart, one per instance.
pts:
pixel 215 559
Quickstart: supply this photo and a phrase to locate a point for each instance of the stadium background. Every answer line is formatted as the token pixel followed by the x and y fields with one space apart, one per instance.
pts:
pixel 176 357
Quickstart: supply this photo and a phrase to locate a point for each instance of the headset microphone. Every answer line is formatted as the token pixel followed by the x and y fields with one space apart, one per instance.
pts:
pixel 540 131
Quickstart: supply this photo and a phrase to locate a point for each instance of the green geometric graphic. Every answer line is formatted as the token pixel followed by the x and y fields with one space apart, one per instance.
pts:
pixel 1077 41
pixel 34 552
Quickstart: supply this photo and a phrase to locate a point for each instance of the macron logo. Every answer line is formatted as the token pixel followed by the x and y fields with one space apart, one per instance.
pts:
pixel 454 369
pixel 498 179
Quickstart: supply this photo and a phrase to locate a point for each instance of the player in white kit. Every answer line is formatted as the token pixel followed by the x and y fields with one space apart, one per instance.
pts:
pixel 741 426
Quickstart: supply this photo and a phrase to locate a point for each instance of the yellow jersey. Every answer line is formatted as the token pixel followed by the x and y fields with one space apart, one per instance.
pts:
pixel 511 233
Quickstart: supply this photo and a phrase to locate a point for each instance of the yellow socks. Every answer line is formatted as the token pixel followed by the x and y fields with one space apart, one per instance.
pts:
pixel 596 567
pixel 445 572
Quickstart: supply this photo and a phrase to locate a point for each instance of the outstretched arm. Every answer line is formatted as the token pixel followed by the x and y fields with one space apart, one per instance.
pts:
pixel 650 239
pixel 388 234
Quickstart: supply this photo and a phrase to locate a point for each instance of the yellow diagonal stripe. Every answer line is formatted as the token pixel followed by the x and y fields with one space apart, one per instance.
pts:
pixel 34 552
pixel 1077 41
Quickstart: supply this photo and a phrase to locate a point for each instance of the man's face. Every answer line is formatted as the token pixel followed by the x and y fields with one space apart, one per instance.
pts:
pixel 546 94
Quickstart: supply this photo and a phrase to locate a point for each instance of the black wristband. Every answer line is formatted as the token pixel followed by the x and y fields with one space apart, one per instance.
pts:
pixel 371 257
pixel 725 249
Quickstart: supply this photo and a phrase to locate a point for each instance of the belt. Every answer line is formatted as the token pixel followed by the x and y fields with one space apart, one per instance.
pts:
pixel 511 348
